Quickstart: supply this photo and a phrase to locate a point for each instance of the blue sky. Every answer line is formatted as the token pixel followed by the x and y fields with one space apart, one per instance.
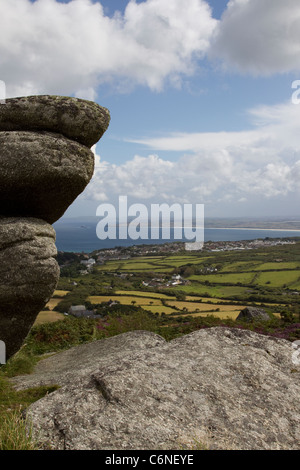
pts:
pixel 199 93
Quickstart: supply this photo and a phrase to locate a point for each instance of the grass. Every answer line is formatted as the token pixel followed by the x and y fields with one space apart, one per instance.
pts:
pixel 60 293
pixel 240 266
pixel 193 306
pixel 177 262
pixel 135 265
pixel 148 294
pixel 231 278
pixel 22 363
pixel 278 278
pixel 213 300
pixel 16 432
pixel 225 315
pixel 147 264
pixel 125 300
pixel 52 303
pixel 160 309
pixel 295 285
pixel 162 296
pixel 48 317
pixel 277 265
pixel 139 266
pixel 15 429
pixel 220 291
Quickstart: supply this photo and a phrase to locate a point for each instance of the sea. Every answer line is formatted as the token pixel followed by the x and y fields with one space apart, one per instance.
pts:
pixel 80 236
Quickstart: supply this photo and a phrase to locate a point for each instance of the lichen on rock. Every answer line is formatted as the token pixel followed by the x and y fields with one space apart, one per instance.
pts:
pixel 80 120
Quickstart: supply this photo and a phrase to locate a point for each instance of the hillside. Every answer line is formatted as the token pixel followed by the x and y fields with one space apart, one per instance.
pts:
pixel 220 280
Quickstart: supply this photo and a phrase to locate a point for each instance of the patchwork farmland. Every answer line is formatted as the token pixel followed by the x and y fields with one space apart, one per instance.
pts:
pixel 187 283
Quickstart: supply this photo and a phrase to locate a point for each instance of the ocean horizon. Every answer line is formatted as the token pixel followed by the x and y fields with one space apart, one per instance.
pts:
pixel 77 236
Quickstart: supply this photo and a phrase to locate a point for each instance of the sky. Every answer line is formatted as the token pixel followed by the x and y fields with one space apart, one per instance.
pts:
pixel 200 92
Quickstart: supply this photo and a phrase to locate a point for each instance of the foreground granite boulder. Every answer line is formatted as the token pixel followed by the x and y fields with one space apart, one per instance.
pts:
pixel 28 276
pixel 217 388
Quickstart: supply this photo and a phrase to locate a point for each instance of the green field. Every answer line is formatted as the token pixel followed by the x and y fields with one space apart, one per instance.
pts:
pixel 222 292
pixel 231 278
pixel 295 286
pixel 278 278
pixel 154 264
pixel 240 266
pixel 277 266
pixel 135 266
pixel 180 261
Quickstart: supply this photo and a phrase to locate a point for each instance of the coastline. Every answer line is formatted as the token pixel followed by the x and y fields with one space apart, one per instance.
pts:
pixel 247 228
pixel 73 238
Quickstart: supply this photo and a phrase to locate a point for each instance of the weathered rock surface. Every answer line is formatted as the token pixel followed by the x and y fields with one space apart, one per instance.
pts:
pixel 28 276
pixel 227 388
pixel 67 366
pixel 41 174
pixel 251 314
pixel 45 163
pixel 77 119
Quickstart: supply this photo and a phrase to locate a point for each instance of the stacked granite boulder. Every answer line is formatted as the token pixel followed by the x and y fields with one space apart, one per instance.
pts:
pixel 45 163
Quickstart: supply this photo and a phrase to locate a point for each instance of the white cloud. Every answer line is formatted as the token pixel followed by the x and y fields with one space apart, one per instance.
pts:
pixel 232 166
pixel 141 178
pixel 72 48
pixel 274 131
pixel 65 48
pixel 259 36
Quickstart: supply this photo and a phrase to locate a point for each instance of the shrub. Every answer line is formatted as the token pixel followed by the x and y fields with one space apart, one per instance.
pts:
pixel 61 335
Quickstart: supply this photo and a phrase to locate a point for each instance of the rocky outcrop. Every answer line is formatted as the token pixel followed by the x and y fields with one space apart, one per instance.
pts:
pixel 28 273
pixel 77 119
pixel 250 314
pixel 218 388
pixel 51 172
pixel 45 163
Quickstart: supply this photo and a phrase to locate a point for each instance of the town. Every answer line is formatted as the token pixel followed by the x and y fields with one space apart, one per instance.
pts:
pixel 99 257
